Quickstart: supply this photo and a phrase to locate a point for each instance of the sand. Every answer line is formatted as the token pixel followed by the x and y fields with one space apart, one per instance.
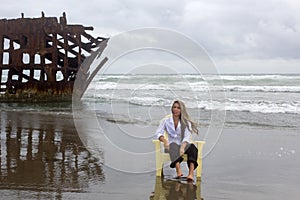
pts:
pixel 246 163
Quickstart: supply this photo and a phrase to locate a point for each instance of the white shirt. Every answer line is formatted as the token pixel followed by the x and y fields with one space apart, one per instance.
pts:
pixel 174 135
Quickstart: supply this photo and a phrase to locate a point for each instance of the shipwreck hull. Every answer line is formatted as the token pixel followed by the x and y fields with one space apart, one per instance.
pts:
pixel 39 92
pixel 40 58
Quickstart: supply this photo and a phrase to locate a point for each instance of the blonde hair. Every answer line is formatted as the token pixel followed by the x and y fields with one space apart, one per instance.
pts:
pixel 185 117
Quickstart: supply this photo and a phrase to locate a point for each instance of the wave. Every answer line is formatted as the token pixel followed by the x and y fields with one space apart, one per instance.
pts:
pixel 144 90
pixel 238 105
pixel 260 125
pixel 233 119
pixel 194 86
pixel 199 77
pixel 284 89
pixel 243 77
pixel 263 106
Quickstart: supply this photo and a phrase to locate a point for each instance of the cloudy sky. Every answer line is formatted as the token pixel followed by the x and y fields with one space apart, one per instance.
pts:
pixel 241 36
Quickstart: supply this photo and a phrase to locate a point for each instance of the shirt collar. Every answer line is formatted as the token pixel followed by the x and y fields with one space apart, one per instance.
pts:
pixel 172 122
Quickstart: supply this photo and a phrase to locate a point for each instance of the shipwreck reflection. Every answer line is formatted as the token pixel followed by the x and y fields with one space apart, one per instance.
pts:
pixel 44 153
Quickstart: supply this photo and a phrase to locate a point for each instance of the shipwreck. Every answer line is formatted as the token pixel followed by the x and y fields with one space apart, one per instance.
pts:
pixel 40 57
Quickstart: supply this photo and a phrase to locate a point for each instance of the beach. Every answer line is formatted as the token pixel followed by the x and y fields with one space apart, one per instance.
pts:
pixel 245 164
pixel 103 148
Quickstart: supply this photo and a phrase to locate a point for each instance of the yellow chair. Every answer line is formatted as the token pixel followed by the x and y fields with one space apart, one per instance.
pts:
pixel 162 157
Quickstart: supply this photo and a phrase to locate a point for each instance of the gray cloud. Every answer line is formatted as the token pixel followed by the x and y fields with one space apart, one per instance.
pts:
pixel 232 31
pixel 254 30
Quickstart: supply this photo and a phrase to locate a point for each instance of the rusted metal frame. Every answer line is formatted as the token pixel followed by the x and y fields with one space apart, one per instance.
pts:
pixel 70 72
pixel 48 54
pixel 54 52
pixel 53 66
pixel 1 51
pixel 70 49
pixel 86 46
pixel 80 56
pixel 90 38
pixel 64 46
pixel 39 38
pixel 17 64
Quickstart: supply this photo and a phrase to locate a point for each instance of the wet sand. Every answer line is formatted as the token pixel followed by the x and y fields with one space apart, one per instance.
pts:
pixel 253 164
pixel 42 157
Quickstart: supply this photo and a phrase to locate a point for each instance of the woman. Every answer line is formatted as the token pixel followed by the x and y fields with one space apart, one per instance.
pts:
pixel 179 128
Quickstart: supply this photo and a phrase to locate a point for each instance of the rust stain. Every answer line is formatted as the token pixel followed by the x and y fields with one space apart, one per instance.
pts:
pixel 40 57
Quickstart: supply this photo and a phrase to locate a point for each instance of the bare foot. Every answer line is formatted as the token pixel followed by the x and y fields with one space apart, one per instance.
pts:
pixel 178 170
pixel 179 176
pixel 190 178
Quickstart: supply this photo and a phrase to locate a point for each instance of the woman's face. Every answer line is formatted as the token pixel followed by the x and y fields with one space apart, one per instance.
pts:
pixel 176 109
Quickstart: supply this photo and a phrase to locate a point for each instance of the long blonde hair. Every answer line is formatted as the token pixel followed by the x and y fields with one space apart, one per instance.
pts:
pixel 185 117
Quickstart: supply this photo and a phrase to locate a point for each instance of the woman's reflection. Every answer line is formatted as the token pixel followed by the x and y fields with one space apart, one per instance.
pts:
pixel 176 190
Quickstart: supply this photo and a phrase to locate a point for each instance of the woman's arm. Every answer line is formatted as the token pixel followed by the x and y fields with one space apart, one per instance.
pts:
pixel 187 134
pixel 186 139
pixel 165 141
pixel 182 148
pixel 160 134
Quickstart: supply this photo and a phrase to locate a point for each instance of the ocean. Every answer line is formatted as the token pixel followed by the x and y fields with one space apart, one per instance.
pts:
pixel 56 151
pixel 244 100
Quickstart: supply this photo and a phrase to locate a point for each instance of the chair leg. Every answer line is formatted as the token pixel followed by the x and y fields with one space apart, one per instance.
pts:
pixel 199 160
pixel 159 166
pixel 158 157
pixel 199 168
pixel 159 171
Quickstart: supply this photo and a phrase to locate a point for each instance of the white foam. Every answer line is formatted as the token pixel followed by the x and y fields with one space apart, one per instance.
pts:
pixel 147 90
pixel 239 88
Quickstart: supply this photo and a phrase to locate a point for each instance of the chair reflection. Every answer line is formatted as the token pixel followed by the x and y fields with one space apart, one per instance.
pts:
pixel 172 190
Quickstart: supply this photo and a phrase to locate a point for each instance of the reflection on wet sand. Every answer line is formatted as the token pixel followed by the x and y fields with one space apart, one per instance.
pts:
pixel 171 190
pixel 43 153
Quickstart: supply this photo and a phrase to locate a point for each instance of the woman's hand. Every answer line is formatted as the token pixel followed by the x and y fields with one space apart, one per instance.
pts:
pixel 181 151
pixel 166 144
pixel 165 141
pixel 182 148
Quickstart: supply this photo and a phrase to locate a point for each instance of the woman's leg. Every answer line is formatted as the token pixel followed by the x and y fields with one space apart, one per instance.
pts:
pixel 192 153
pixel 176 159
pixel 191 171
pixel 178 169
